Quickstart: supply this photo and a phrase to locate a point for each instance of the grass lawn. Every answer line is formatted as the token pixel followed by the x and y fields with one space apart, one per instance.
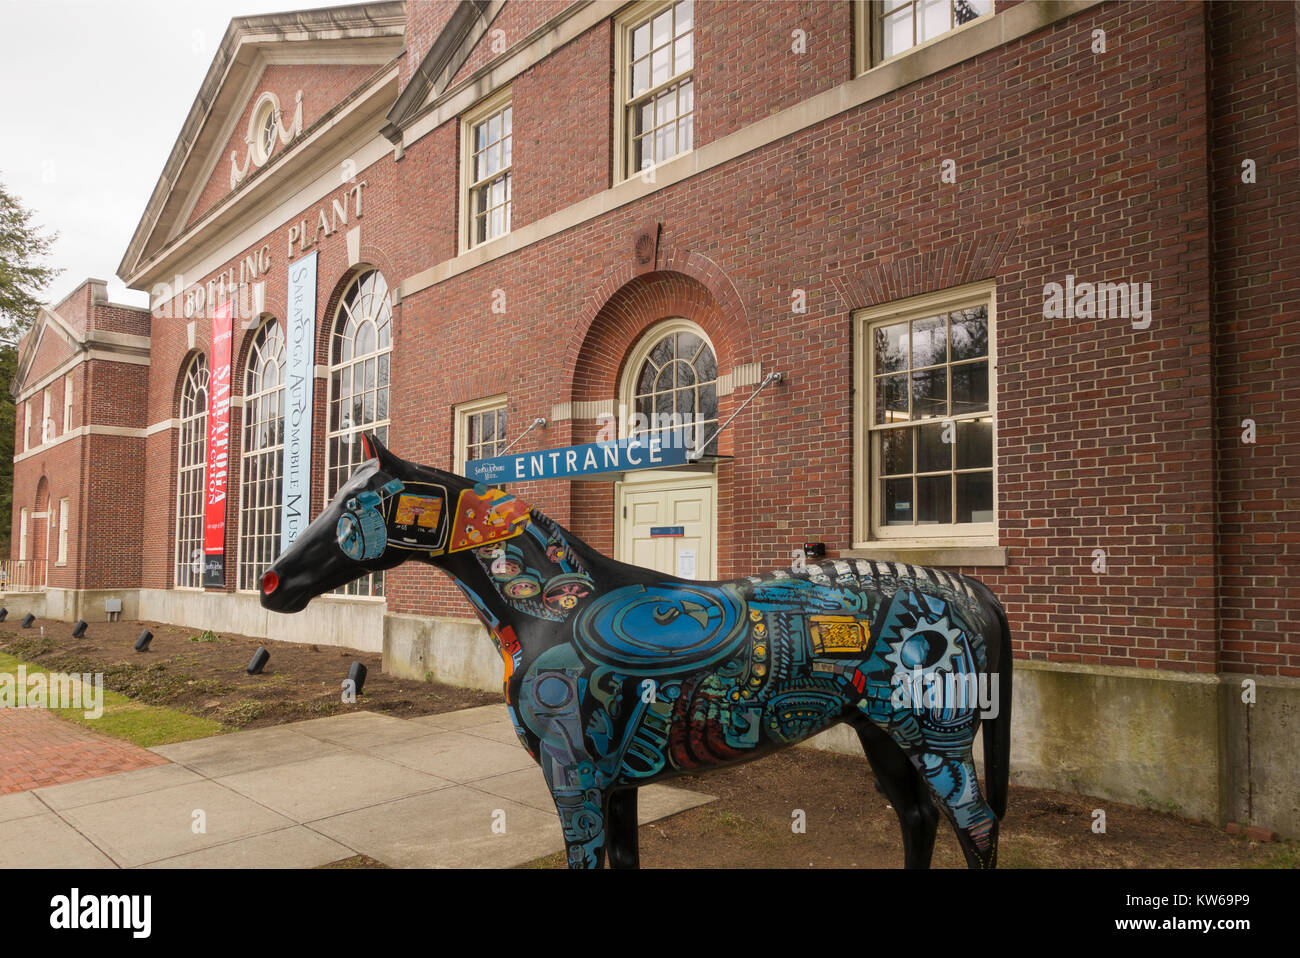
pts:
pixel 124 718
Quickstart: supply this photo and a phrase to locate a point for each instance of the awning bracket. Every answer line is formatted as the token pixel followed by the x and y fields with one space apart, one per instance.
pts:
pixel 539 421
pixel 698 452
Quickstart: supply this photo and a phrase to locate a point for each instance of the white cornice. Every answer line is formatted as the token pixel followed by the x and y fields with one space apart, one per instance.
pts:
pixel 132 357
pixel 130 432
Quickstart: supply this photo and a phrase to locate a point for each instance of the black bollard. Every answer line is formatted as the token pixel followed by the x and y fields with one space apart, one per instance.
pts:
pixel 79 629
pixel 28 620
pixel 259 661
pixel 142 643
pixel 357 676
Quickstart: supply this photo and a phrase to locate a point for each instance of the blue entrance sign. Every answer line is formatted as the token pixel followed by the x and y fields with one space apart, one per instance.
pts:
pixel 666 532
pixel 669 448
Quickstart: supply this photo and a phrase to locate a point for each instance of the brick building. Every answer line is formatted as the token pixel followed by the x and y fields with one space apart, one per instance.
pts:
pixel 1028 272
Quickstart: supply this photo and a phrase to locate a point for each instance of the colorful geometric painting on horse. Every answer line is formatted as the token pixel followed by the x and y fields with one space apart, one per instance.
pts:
pixel 618 676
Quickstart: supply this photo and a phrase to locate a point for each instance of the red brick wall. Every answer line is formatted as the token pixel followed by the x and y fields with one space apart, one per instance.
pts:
pixel 100 475
pixel 121 319
pixel 745 64
pixel 516 21
pixel 424 20
pixel 52 351
pixel 1040 194
pixel 1257 328
pixel 562 162
pixel 1067 163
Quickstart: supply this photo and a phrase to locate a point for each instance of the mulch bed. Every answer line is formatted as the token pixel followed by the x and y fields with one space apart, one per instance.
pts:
pixel 204 673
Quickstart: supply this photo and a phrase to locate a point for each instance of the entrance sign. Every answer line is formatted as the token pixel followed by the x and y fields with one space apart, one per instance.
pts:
pixel 646 451
pixel 299 371
pixel 218 467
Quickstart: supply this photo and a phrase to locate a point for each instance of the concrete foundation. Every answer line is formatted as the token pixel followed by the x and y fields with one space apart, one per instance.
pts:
pixel 455 651
pixel 356 623
pixel 1182 743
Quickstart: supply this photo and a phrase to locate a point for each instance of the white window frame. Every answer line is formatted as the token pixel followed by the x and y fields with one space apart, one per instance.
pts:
pixel 498 102
pixel 63 532
pixel 67 402
pixel 351 433
pixel 27 425
pixel 261 468
pixel 47 423
pixel 867 530
pixel 22 534
pixel 191 448
pixel 624 24
pixel 866 40
pixel 645 345
pixel 464 411
pixel 268 106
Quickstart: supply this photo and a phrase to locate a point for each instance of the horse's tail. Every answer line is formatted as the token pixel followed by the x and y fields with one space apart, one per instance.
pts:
pixel 997 730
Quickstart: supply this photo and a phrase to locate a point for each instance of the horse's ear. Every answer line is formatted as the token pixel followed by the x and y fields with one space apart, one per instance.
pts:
pixel 372 448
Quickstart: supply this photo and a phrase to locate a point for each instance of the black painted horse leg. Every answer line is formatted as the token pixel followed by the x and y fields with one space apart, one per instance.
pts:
pixel 621 830
pixel 907 792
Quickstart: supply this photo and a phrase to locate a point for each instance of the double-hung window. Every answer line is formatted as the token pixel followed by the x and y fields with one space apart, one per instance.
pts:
pixel 927 419
pixel 488 134
pixel 656 85
pixel 480 430
pixel 887 28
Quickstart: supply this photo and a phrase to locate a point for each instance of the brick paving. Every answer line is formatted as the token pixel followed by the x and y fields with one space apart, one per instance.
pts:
pixel 38 749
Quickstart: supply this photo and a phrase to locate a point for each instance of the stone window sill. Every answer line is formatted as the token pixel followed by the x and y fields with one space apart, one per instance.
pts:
pixel 941 556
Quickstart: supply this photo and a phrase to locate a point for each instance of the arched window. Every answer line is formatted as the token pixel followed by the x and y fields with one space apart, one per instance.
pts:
pixel 263 457
pixel 191 468
pixel 672 382
pixel 358 391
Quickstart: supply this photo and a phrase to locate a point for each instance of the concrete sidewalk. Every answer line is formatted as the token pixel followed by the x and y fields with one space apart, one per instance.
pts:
pixel 411 793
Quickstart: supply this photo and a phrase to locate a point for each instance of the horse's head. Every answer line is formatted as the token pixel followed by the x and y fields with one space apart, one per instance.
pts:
pixel 389 511
pixel 343 543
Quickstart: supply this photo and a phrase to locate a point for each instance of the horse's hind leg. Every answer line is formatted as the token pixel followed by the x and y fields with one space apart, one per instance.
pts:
pixel 907 792
pixel 621 847
pixel 956 787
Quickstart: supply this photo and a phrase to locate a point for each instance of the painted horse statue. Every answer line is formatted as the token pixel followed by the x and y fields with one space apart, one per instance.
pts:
pixel 618 676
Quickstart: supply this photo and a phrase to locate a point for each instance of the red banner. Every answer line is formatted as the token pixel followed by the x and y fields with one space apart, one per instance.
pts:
pixel 214 510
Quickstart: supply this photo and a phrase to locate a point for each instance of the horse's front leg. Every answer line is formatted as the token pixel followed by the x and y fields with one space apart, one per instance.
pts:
pixel 582 819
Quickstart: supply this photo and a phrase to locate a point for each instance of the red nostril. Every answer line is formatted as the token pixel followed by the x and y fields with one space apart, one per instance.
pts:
pixel 269 583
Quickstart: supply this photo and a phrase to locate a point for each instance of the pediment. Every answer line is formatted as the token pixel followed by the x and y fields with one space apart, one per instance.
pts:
pixel 50 341
pixel 297 67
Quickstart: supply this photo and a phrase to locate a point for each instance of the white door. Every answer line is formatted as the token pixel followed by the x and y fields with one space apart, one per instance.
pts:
pixel 668 525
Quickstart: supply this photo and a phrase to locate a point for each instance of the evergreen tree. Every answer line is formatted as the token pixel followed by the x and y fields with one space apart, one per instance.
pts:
pixel 22 278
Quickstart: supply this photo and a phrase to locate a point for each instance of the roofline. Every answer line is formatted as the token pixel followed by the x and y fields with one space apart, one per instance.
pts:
pixel 315 20
pixel 440 63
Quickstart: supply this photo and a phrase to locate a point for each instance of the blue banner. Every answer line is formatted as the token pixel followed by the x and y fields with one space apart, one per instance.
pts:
pixel 299 377
pixel 646 451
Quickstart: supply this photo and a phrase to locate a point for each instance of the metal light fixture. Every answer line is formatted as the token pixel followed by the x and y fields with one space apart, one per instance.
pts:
pixel 259 661
pixel 142 643
pixel 28 620
pixel 79 629
pixel 357 676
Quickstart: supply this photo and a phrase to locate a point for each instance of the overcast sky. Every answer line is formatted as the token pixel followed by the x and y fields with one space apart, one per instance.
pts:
pixel 92 96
